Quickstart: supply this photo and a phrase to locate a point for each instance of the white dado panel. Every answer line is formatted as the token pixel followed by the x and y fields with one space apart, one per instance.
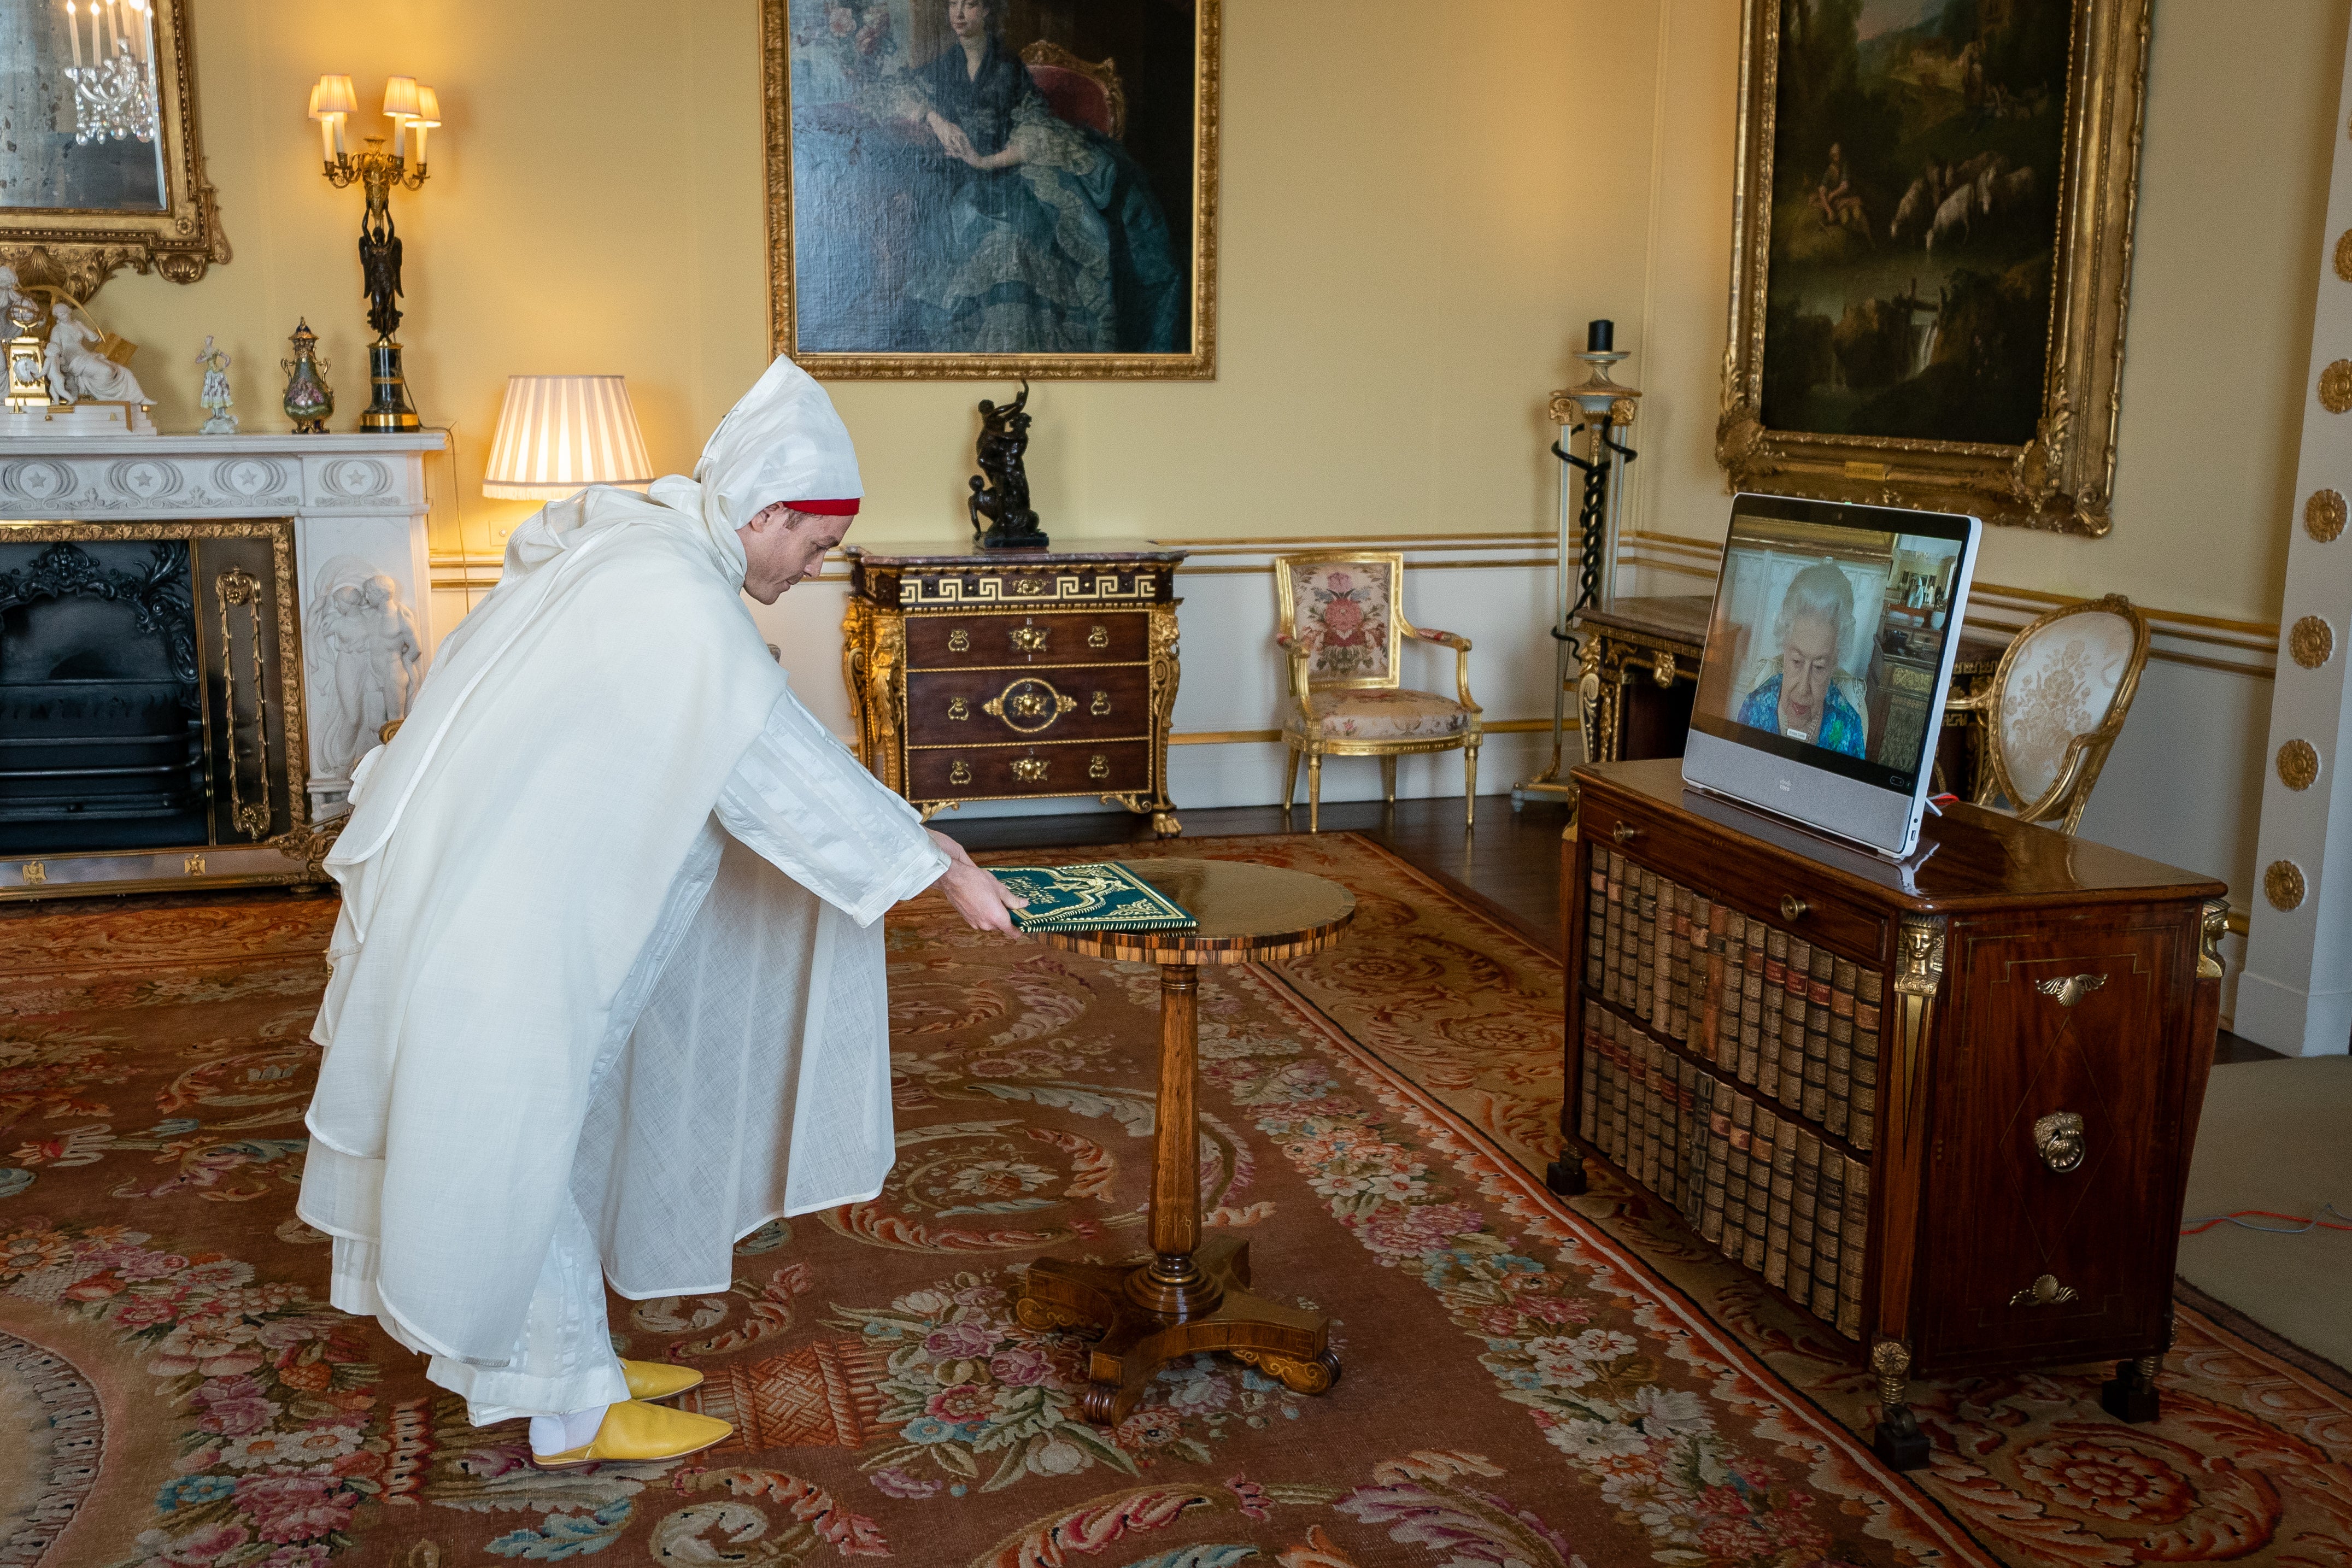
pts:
pixel 359 506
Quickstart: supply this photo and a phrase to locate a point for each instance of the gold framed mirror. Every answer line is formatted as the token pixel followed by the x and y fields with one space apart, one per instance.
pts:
pixel 101 168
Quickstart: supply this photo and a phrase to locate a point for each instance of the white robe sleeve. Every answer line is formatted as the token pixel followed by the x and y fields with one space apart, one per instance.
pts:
pixel 801 802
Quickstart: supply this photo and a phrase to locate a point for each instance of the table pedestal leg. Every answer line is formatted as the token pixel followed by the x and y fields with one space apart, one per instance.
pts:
pixel 1189 1297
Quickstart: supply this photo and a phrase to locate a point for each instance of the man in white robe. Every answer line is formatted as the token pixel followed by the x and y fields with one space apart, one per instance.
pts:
pixel 607 987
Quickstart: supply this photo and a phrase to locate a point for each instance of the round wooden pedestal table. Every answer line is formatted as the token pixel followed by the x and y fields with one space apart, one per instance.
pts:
pixel 1190 1297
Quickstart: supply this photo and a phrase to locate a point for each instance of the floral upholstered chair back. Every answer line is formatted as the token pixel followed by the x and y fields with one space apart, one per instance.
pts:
pixel 2057 704
pixel 1343 610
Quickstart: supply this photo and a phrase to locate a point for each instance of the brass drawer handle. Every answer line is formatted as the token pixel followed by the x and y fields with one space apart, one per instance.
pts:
pixel 1100 706
pixel 2058 1139
pixel 1792 907
pixel 1029 705
pixel 960 641
pixel 2045 1292
pixel 1099 768
pixel 1625 832
pixel 1099 638
pixel 1029 770
pixel 959 773
pixel 958 708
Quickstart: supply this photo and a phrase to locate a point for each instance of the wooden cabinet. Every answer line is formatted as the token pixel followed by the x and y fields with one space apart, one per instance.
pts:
pixel 1945 1106
pixel 1014 675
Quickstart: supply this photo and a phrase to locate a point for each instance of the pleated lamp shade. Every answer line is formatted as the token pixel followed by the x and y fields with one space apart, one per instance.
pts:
pixel 558 434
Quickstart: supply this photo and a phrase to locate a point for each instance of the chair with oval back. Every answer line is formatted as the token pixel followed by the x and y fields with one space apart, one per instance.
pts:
pixel 2054 707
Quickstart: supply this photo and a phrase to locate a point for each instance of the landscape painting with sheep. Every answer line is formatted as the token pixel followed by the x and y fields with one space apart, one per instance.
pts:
pixel 1917 151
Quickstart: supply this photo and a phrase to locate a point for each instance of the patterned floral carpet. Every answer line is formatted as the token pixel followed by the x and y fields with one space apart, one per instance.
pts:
pixel 1526 1381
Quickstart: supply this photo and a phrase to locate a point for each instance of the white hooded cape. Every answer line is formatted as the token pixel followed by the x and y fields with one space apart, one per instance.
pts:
pixel 609 930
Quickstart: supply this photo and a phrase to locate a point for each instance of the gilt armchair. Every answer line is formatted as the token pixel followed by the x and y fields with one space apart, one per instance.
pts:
pixel 2054 707
pixel 1342 630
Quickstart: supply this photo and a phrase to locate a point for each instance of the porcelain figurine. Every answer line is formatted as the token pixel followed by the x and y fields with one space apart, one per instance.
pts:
pixel 78 372
pixel 217 401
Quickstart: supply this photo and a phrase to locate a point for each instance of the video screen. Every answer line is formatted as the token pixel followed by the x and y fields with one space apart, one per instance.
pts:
pixel 1825 645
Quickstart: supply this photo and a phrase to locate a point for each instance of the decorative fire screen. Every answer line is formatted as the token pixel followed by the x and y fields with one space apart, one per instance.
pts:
pixel 151 708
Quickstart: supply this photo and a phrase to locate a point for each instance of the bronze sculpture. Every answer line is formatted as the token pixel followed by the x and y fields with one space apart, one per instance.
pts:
pixel 1000 492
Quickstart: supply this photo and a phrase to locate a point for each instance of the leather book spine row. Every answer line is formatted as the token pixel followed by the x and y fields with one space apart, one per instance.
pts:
pixel 1782 1204
pixel 1623 908
pixel 1838 1078
pixel 1829 1237
pixel 1790 1020
pixel 1857 1235
pixel 1588 1096
pixel 1735 1187
pixel 1689 912
pixel 1861 1119
pixel 1760 1188
pixel 1697 1143
pixel 1805 1204
pixel 1815 1070
pixel 1726 959
pixel 1596 923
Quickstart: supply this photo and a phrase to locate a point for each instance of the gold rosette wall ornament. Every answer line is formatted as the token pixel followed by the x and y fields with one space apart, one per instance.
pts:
pixel 2322 515
pixel 2311 641
pixel 2336 387
pixel 2284 885
pixel 2298 764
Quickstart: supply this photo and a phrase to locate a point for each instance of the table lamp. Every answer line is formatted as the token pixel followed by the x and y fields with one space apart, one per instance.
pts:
pixel 558 434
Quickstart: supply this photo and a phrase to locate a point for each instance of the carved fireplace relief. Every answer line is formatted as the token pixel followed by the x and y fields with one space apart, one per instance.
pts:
pixel 150 707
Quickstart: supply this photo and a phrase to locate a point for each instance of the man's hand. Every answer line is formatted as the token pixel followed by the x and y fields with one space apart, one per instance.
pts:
pixel 979 898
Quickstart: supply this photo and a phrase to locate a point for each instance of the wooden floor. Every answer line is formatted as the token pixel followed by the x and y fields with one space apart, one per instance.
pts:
pixel 1509 862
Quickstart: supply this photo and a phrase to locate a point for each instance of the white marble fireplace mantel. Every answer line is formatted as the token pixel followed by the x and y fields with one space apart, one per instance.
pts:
pixel 359 506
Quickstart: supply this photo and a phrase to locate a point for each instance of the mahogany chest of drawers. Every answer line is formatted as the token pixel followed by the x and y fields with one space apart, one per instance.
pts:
pixel 1015 674
pixel 1945 1106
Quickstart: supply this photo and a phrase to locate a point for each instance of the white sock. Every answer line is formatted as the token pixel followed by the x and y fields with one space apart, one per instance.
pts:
pixel 561 1434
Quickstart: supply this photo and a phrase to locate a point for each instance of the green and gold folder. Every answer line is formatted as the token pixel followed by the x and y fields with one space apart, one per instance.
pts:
pixel 1101 895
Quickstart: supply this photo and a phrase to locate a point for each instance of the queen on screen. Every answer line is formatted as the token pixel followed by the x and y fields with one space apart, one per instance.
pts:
pixel 1815 633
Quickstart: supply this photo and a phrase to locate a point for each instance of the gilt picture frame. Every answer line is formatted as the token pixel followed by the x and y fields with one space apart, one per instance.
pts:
pixel 1931 254
pixel 992 189
pixel 77 205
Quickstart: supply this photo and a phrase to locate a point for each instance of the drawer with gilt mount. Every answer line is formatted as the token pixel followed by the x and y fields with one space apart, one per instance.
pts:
pixel 974 678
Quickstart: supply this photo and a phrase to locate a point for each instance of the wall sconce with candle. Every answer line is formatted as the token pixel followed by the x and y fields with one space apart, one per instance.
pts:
pixel 410 109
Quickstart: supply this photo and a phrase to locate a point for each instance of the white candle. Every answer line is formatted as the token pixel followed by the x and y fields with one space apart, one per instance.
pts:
pixel 327 139
pixel 97 54
pixel 73 31
pixel 339 134
pixel 112 36
pixel 399 138
pixel 421 128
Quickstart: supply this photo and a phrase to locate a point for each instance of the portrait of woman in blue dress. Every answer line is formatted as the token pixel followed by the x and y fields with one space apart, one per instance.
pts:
pixel 1814 632
pixel 947 208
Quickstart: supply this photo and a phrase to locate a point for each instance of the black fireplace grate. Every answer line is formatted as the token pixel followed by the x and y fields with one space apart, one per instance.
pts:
pixel 102 741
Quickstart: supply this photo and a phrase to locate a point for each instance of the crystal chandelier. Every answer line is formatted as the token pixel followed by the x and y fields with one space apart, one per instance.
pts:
pixel 113 73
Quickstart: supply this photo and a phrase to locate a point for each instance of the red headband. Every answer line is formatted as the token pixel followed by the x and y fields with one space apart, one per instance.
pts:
pixel 848 509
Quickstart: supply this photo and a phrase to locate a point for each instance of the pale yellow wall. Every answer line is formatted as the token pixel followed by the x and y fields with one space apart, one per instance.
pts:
pixel 1416 221
pixel 2234 165
pixel 1412 235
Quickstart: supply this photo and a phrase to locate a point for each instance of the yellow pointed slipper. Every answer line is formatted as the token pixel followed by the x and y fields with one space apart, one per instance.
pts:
pixel 636 1434
pixel 658 1380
